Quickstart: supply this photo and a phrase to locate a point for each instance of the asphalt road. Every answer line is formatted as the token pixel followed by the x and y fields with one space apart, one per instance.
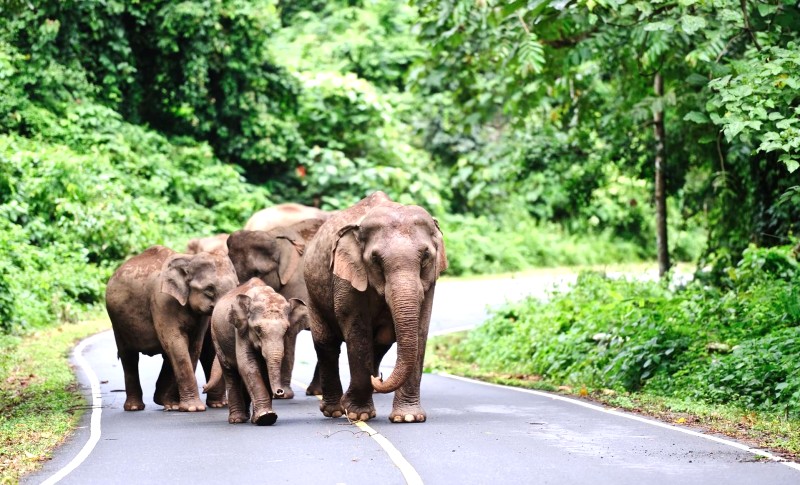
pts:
pixel 475 433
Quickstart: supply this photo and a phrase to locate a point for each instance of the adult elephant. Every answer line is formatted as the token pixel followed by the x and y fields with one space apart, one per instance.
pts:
pixel 250 327
pixel 371 273
pixel 283 215
pixel 208 244
pixel 276 257
pixel 159 302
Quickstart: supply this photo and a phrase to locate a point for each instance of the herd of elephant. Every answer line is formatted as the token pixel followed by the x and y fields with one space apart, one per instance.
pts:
pixel 235 303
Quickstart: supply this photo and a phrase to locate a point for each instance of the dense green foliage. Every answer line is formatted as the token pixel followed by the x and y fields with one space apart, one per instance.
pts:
pixel 524 127
pixel 731 344
pixel 555 100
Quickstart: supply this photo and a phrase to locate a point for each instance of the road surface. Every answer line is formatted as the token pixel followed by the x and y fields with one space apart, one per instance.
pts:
pixel 475 434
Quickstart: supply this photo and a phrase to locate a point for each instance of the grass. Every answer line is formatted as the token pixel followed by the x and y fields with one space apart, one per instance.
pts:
pixel 778 434
pixel 40 402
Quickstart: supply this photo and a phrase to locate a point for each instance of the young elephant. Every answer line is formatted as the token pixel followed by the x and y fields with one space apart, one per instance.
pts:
pixel 276 257
pixel 371 272
pixel 250 328
pixel 159 302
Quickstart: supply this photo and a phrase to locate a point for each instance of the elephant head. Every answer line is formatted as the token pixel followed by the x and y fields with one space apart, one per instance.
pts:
pixel 274 256
pixel 198 280
pixel 264 318
pixel 397 251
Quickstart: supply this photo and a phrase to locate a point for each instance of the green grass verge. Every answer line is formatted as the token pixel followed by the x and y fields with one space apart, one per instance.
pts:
pixel 778 433
pixel 40 402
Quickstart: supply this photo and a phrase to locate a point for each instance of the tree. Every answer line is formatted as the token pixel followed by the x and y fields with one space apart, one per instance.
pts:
pixel 591 65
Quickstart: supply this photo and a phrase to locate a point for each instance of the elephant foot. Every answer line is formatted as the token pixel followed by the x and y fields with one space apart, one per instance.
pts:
pixel 358 412
pixel 235 418
pixel 408 414
pixel 265 418
pixel 331 409
pixel 133 404
pixel 217 399
pixel 171 405
pixel 192 405
pixel 315 388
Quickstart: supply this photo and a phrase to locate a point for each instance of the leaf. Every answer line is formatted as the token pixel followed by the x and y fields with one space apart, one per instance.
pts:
pixel 775 115
pixel 663 25
pixel 791 163
pixel 692 23
pixel 696 117
pixel 733 128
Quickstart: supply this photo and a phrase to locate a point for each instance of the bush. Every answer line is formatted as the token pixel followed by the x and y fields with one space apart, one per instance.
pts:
pixel 479 245
pixel 636 335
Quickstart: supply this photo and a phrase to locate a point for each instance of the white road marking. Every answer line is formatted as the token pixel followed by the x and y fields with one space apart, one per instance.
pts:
pixel 97 409
pixel 556 397
pixel 409 473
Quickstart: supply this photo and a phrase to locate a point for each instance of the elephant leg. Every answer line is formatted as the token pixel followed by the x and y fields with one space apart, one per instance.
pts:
pixel 253 372
pixel 328 347
pixel 406 407
pixel 133 387
pixel 183 356
pixel 207 355
pixel 166 388
pixel 357 401
pixel 378 352
pixel 314 388
pixel 238 405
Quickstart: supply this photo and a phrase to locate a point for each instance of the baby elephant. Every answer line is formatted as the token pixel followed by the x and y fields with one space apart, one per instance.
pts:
pixel 159 302
pixel 250 327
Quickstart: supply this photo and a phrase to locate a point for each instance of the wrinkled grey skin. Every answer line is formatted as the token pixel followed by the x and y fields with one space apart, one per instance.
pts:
pixel 276 257
pixel 208 244
pixel 282 215
pixel 215 394
pixel 371 273
pixel 250 327
pixel 159 302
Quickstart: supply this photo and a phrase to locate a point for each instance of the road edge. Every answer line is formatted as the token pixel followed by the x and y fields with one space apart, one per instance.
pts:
pixel 634 417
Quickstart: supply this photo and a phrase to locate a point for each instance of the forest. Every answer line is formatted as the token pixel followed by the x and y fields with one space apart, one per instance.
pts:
pixel 539 133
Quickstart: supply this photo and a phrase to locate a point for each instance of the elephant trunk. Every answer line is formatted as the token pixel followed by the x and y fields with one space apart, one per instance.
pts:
pixel 404 299
pixel 274 358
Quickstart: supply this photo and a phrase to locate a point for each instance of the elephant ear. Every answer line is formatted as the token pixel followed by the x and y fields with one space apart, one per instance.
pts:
pixel 290 255
pixel 441 256
pixel 298 314
pixel 175 278
pixel 240 311
pixel 346 258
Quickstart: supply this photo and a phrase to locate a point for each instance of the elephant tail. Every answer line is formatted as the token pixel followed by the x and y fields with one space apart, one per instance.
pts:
pixel 215 379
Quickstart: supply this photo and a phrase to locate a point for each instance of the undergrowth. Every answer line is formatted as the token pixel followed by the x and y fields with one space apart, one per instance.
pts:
pixel 39 399
pixel 734 344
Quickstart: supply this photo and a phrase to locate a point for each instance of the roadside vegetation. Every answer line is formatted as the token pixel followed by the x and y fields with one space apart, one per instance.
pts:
pixel 723 356
pixel 539 134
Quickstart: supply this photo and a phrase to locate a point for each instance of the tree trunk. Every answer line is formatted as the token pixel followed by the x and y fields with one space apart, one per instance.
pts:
pixel 660 185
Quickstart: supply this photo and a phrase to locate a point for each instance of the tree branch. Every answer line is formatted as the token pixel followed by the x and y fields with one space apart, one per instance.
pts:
pixel 743 5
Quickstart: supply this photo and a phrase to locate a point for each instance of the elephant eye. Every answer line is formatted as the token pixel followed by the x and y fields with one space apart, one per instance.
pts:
pixel 376 259
pixel 210 291
pixel 426 255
